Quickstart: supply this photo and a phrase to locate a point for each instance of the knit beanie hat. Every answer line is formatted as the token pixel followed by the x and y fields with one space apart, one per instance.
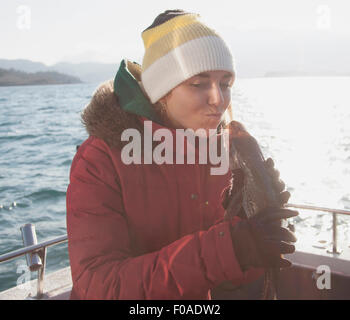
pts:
pixel 178 45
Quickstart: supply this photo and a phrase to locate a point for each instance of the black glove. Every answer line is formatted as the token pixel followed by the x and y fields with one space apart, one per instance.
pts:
pixel 279 187
pixel 260 240
pixel 278 183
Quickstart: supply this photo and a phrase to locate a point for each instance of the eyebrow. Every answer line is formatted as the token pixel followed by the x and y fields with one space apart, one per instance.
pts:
pixel 207 75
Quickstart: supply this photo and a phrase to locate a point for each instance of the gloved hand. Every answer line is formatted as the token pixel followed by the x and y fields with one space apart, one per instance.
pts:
pixel 260 240
pixel 278 183
pixel 279 187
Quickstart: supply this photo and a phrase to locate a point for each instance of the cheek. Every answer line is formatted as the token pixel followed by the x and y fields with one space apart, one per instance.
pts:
pixel 185 106
pixel 227 94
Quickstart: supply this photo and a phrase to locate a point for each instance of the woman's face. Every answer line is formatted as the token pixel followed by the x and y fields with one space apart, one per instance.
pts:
pixel 200 101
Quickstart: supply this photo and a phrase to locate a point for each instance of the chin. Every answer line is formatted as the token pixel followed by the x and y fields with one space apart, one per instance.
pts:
pixel 206 127
pixel 212 126
pixel 207 132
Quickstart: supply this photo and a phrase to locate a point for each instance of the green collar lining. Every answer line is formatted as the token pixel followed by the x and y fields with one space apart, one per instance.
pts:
pixel 130 96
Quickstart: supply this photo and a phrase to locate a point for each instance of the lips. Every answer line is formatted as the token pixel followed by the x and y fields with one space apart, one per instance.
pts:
pixel 215 115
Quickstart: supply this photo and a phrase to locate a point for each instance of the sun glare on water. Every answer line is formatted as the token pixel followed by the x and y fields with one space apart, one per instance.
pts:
pixel 302 123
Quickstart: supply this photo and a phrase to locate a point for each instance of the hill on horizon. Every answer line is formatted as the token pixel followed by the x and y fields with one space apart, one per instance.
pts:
pixel 86 71
pixel 14 77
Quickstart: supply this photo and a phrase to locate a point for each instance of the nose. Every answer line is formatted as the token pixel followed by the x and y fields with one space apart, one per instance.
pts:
pixel 215 96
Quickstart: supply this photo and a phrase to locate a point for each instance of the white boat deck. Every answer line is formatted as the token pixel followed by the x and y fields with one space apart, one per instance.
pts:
pixel 57 286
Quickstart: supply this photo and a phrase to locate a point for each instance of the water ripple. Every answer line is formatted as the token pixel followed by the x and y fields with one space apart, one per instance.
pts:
pixel 17 137
pixel 46 194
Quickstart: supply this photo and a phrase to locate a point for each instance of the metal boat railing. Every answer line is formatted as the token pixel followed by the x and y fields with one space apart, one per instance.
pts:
pixel 40 248
pixel 32 250
pixel 334 212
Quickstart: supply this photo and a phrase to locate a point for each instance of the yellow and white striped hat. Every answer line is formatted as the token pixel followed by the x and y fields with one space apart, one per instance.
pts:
pixel 178 46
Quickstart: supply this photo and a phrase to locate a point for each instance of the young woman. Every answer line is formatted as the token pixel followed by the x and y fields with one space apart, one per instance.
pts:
pixel 142 229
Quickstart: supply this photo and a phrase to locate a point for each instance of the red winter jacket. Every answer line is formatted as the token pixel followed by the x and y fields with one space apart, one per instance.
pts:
pixel 143 231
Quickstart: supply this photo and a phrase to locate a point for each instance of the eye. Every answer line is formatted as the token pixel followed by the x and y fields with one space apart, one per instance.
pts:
pixel 197 85
pixel 204 84
pixel 226 85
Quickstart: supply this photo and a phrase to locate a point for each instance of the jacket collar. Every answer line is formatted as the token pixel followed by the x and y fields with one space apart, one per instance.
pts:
pixel 128 87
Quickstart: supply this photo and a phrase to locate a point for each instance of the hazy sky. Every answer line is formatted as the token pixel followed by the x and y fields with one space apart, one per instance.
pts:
pixel 76 30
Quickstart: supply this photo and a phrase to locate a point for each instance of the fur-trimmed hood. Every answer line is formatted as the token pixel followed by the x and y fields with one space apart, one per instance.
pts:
pixel 104 116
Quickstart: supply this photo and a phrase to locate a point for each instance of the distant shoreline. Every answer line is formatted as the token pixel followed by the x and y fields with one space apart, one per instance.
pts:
pixel 37 84
pixel 287 74
pixel 14 77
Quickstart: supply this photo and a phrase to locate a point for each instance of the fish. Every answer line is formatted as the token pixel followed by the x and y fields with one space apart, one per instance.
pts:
pixel 257 192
